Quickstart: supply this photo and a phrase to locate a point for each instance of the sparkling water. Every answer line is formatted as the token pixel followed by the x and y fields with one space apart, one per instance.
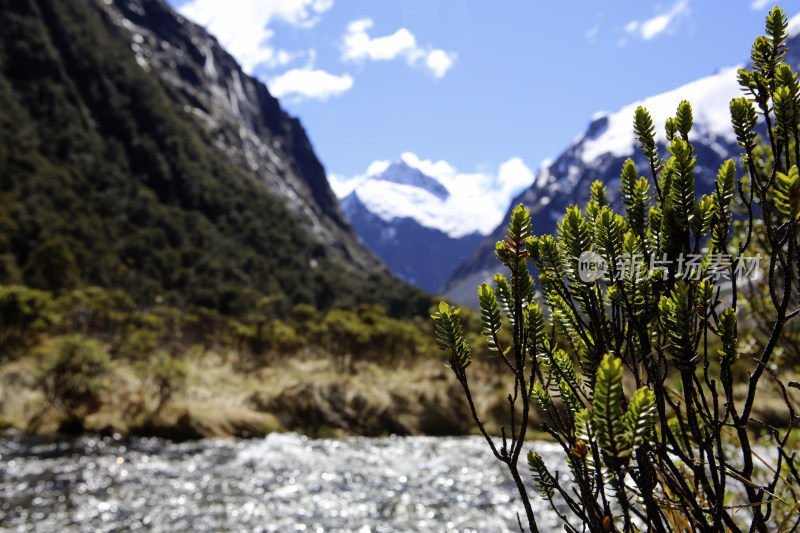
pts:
pixel 284 482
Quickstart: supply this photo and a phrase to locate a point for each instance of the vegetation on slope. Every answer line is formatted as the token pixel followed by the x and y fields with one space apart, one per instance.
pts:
pixel 105 182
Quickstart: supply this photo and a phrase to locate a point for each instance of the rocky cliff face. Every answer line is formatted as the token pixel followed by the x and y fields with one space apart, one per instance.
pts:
pixel 240 116
pixel 599 153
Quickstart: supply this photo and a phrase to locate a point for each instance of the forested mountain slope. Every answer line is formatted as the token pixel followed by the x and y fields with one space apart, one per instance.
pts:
pixel 125 164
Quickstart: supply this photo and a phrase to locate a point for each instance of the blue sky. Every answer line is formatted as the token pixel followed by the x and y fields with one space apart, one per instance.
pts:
pixel 483 91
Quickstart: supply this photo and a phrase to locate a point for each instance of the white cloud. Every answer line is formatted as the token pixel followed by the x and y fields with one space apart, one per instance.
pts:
pixel 477 201
pixel 513 176
pixel 242 25
pixel 655 26
pixel 793 27
pixel 359 46
pixel 308 83
pixel 439 62
pixel 341 185
pixel 441 170
pixel 757 5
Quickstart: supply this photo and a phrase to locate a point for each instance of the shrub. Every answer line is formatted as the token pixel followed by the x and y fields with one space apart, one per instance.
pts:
pixel 24 314
pixel 674 453
pixel 75 377
pixel 169 374
pixel 52 266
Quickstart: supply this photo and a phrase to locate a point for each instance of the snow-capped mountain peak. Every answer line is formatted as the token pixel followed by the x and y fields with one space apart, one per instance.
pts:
pixel 401 173
pixel 611 133
pixel 599 152
pixel 398 190
pixel 408 219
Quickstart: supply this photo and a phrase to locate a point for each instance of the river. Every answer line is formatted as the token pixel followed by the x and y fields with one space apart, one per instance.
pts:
pixel 284 482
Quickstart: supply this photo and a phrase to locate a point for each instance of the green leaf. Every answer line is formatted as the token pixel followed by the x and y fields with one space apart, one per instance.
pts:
pixel 682 191
pixel 725 184
pixel 563 369
pixel 787 193
pixel 684 120
pixel 570 399
pixel 549 257
pixel 670 233
pixel 743 119
pixel 544 480
pixel 678 316
pixel 627 179
pixel 574 239
pixel 490 317
pixel 563 317
pixel 504 296
pixel 541 397
pixel 703 217
pixel 588 362
pixel 646 134
pixel 786 78
pixel 785 108
pixel 519 228
pixel 609 228
pixel 726 329
pixel 776 29
pixel 607 417
pixel 597 193
pixel 584 433
pixel 671 127
pixel 705 294
pixel 535 326
pixel 640 417
pixel 640 206
pixel 447 327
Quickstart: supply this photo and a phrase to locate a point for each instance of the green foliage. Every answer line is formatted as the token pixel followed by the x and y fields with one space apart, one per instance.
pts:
pixel 75 374
pixel 448 334
pixel 168 373
pixel 52 266
pixel 640 417
pixel 684 120
pixel 105 181
pixel 743 119
pixel 722 197
pixel 679 320
pixel 677 454
pixel 544 480
pixel 541 396
pixel 726 329
pixel 787 194
pixel 607 419
pixel 646 134
pixel 24 314
pixel 490 317
pixel 682 188
pixel 597 193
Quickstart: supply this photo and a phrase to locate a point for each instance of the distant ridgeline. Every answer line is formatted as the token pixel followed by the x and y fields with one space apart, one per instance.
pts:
pixel 599 152
pixel 187 185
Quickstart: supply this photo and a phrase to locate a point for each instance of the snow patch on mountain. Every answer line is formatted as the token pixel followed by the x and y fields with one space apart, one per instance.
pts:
pixel 793 27
pixel 710 98
pixel 436 195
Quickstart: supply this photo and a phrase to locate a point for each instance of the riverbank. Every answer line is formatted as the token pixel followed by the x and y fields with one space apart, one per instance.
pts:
pixel 69 384
pixel 221 395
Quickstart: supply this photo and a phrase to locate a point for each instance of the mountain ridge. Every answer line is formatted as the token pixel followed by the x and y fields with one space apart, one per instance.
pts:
pixel 108 178
pixel 243 119
pixel 397 212
pixel 599 152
